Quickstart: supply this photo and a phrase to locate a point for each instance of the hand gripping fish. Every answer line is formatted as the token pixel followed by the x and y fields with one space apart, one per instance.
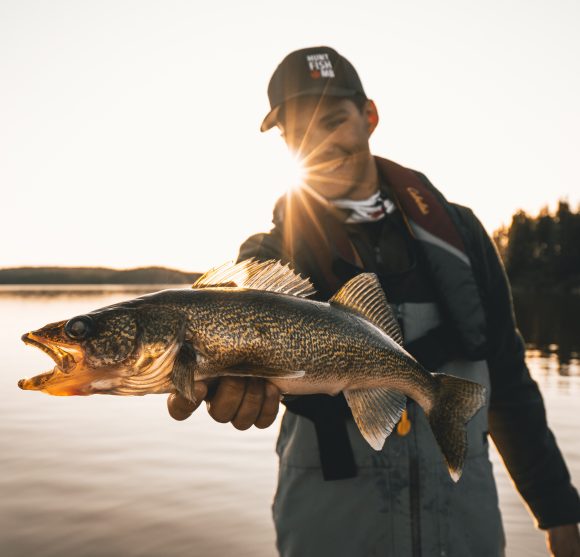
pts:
pixel 254 319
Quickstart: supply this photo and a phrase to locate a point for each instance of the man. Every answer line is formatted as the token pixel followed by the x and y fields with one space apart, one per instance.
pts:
pixel 440 272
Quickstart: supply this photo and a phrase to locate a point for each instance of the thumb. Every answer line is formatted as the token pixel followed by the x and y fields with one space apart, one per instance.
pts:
pixel 180 408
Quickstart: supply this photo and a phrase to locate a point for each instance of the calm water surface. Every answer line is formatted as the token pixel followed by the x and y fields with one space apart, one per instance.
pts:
pixel 113 476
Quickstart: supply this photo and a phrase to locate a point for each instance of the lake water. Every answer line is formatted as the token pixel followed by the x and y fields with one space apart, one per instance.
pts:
pixel 113 476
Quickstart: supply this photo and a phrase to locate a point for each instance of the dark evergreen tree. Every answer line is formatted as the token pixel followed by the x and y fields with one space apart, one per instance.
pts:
pixel 520 249
pixel 545 244
pixel 543 251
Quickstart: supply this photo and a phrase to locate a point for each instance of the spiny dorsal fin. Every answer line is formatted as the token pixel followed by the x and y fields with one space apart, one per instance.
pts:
pixel 365 295
pixel 258 275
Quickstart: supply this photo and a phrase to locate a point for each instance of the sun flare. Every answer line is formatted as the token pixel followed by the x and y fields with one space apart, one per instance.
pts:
pixel 294 171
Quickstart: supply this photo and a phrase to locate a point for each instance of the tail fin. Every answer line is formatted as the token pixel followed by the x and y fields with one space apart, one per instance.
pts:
pixel 456 402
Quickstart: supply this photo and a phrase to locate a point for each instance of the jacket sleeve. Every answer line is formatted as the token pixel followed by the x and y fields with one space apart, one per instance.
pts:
pixel 517 417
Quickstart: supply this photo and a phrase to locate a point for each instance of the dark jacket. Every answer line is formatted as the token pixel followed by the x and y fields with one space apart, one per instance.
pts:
pixel 517 418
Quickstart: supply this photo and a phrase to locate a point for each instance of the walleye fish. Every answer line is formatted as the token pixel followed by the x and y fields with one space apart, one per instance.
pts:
pixel 254 319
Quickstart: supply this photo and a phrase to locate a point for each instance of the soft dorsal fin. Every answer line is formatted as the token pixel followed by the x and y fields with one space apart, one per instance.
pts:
pixel 268 275
pixel 365 295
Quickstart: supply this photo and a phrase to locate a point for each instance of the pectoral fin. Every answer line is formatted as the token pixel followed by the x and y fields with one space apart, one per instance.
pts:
pixel 183 369
pixel 376 412
pixel 187 362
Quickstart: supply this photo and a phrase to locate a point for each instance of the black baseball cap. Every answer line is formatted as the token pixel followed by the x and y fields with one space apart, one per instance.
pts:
pixel 318 71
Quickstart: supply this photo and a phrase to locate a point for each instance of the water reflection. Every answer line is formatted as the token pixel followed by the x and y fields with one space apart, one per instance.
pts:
pixel 550 326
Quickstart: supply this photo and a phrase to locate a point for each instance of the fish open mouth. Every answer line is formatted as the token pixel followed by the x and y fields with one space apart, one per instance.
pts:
pixel 65 361
pixel 60 380
pixel 76 374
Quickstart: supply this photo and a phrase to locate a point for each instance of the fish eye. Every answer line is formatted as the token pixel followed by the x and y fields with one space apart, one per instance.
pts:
pixel 78 328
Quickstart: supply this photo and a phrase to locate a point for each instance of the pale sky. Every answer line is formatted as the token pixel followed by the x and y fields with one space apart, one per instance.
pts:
pixel 129 130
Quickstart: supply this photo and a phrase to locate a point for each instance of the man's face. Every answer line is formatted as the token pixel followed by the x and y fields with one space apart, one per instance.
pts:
pixel 331 139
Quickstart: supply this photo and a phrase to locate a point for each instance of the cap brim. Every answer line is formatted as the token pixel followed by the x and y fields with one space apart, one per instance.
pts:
pixel 271 118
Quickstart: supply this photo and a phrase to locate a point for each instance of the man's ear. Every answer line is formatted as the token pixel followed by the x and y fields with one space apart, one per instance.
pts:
pixel 372 115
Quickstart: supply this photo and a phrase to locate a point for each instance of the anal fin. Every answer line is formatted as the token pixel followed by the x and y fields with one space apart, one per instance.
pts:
pixel 376 412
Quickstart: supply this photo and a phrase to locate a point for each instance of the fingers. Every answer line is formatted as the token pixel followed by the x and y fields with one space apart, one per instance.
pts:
pixel 245 402
pixel 180 408
pixel 227 399
pixel 240 400
pixel 269 407
pixel 251 404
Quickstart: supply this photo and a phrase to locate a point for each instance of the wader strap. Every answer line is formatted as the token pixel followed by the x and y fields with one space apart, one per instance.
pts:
pixel 329 415
pixel 336 456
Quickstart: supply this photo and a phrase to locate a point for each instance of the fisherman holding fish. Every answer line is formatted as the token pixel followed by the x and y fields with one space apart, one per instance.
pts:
pixel 395 348
pixel 357 214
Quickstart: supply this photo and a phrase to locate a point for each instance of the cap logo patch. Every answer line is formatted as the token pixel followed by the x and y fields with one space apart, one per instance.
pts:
pixel 320 66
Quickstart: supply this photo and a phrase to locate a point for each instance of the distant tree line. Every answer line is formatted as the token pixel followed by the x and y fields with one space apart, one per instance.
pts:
pixel 542 252
pixel 94 275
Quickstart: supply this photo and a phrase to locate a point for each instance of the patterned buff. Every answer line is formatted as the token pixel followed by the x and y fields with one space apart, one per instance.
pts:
pixel 365 210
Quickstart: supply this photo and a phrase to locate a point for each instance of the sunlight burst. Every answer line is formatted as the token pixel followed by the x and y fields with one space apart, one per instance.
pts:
pixel 294 171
